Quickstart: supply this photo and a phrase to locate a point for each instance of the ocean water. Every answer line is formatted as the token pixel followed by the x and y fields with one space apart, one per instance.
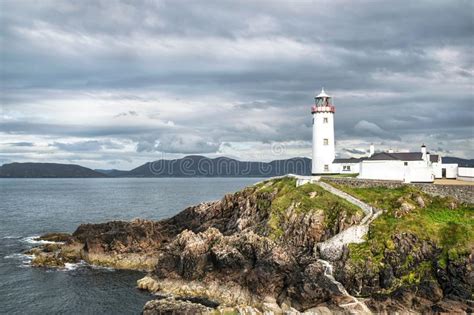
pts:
pixel 31 207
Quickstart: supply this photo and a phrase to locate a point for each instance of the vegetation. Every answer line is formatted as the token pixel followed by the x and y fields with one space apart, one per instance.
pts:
pixel 302 199
pixel 444 221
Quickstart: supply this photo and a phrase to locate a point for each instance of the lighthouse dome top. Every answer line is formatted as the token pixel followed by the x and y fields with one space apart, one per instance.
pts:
pixel 322 94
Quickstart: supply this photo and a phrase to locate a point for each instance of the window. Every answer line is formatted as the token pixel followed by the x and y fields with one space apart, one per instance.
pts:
pixel 406 163
pixel 346 168
pixel 313 121
pixel 325 120
pixel 326 168
pixel 326 142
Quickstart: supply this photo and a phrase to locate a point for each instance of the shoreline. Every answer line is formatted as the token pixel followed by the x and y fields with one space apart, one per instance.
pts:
pixel 199 251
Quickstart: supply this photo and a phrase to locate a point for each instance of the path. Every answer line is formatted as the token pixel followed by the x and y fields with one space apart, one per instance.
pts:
pixel 332 248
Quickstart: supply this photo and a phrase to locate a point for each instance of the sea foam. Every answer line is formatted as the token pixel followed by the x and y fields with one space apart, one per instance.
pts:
pixel 35 241
pixel 11 237
pixel 23 258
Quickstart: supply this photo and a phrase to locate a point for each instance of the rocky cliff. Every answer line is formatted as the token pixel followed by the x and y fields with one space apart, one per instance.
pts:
pixel 257 250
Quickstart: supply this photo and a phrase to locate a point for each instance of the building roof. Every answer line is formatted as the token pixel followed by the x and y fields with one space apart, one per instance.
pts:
pixel 350 160
pixel 322 94
pixel 401 156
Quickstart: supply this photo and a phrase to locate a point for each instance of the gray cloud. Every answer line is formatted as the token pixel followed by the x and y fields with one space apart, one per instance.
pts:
pixel 184 77
pixel 129 113
pixel 146 145
pixel 25 127
pixel 22 144
pixel 87 146
pixel 187 144
pixel 369 129
pixel 355 151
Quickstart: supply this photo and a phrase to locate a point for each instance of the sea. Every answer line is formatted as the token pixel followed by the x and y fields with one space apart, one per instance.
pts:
pixel 31 207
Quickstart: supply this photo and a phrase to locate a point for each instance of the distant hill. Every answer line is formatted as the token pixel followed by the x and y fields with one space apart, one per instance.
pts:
pixel 46 170
pixel 459 161
pixel 112 172
pixel 200 166
pixel 189 166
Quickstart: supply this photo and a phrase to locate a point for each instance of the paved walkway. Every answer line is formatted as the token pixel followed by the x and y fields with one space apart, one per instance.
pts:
pixel 368 210
pixel 332 248
pixel 453 182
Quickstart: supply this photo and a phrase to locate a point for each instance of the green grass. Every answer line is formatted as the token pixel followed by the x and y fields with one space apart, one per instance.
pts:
pixel 450 225
pixel 287 196
pixel 436 221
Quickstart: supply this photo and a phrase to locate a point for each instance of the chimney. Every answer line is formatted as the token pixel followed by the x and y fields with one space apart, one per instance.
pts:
pixel 371 150
pixel 428 158
pixel 423 152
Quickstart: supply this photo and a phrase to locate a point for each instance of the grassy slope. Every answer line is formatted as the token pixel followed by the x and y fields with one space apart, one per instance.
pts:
pixel 449 224
pixel 287 194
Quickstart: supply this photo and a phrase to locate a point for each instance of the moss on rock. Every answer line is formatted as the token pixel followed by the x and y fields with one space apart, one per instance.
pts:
pixel 437 233
pixel 305 199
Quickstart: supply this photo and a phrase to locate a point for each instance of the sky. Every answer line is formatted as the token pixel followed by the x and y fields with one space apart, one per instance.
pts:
pixel 114 84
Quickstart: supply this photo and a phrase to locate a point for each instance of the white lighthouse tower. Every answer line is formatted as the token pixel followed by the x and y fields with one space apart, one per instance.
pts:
pixel 323 134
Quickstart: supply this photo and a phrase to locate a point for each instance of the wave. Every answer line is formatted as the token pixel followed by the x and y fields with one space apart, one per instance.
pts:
pixel 83 264
pixel 102 268
pixel 11 237
pixel 17 256
pixel 26 259
pixel 74 266
pixel 23 258
pixel 35 241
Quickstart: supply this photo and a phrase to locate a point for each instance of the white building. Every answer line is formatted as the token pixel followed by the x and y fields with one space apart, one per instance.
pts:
pixel 346 166
pixel 398 166
pixel 443 170
pixel 324 151
pixel 401 166
pixel 466 173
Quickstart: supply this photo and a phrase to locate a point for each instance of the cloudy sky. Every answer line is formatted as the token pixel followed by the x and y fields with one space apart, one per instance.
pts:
pixel 114 84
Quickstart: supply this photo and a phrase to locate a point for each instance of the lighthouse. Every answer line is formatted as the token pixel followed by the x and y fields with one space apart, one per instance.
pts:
pixel 323 134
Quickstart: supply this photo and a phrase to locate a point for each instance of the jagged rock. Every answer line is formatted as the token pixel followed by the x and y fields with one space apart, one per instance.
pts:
pixel 457 278
pixel 230 252
pixel 174 306
pixel 419 200
pixel 313 194
pixel 405 208
pixel 386 277
pixel 454 281
pixel 56 237
pixel 453 204
pixel 320 310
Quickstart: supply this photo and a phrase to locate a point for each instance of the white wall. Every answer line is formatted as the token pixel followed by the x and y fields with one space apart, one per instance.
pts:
pixel 437 170
pixel 419 171
pixel 414 171
pixel 323 154
pixel 466 173
pixel 451 170
pixel 339 168
pixel 383 170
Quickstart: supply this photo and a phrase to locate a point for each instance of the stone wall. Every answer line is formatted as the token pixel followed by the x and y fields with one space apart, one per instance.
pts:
pixel 463 193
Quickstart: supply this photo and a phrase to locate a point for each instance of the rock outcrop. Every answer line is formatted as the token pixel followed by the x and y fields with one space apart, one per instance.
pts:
pixel 256 251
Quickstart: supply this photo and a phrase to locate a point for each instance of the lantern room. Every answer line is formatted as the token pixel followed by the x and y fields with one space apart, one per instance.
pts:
pixel 323 103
